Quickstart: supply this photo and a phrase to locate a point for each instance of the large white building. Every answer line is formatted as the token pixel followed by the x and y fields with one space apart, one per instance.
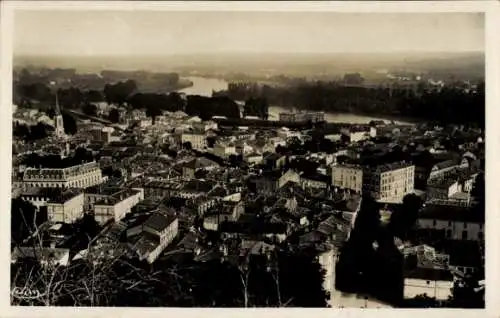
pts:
pixel 79 176
pixel 297 117
pixel 434 283
pixel 348 177
pixel 197 141
pixel 117 206
pixel 224 150
pixel 66 208
pixel 153 236
pixel 389 183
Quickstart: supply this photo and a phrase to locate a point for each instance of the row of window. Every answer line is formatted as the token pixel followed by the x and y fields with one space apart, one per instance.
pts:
pixel 450 223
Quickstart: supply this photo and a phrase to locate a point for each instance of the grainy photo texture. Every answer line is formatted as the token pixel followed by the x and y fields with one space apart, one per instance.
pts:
pixel 248 159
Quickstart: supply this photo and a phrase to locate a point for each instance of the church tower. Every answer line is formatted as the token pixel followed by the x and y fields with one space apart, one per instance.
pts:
pixel 58 120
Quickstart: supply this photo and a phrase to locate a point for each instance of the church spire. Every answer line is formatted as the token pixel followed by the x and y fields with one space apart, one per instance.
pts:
pixel 58 109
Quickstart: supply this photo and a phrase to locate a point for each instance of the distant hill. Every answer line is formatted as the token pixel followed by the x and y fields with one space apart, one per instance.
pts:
pixel 469 64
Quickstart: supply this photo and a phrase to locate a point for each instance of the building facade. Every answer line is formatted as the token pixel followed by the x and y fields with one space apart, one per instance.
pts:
pixel 389 183
pixel 68 208
pixel 117 206
pixel 347 177
pixel 79 176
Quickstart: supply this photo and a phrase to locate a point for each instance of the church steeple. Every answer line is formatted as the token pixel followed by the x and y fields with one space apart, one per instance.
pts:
pixel 58 109
pixel 58 119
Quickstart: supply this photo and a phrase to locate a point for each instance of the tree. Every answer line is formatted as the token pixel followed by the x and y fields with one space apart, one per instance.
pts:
pixel 404 218
pixel 120 92
pixel 256 107
pixel 70 126
pixel 90 109
pixel 114 115
pixel 23 219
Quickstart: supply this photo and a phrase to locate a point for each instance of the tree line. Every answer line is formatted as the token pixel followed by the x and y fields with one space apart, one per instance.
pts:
pixel 449 105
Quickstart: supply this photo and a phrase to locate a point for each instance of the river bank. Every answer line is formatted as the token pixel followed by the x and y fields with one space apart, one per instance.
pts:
pixel 205 86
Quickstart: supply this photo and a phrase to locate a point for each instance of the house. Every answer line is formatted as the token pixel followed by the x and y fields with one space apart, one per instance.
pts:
pixel 346 176
pixel 349 208
pixel 289 176
pixel 455 222
pixel 314 181
pixel 224 150
pixel 149 239
pixel 274 161
pixel 226 211
pixel 432 282
pixel 389 183
pixel 258 229
pixel 443 168
pixel 39 196
pixel 442 188
pixel 268 182
pixel 117 206
pixel 253 158
pixel 197 141
pixel 66 207
pixel 191 167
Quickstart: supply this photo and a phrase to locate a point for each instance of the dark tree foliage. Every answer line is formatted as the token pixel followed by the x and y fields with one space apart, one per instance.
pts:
pixel 362 267
pixel 114 115
pixel 51 113
pixel 468 294
pixel 23 220
pixel 207 107
pixel 256 107
pixel 112 173
pixel 32 133
pixel 155 103
pixel 70 126
pixel 448 105
pixel 93 96
pixel 35 91
pixel 70 97
pixel 301 279
pixel 405 216
pixel 120 92
pixel 90 109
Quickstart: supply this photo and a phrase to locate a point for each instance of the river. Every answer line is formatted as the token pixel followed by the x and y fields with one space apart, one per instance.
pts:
pixel 204 86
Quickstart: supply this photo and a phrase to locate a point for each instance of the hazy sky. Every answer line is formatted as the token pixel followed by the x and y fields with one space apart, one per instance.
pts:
pixel 143 33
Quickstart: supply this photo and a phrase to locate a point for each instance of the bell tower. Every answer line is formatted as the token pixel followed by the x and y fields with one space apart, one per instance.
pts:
pixel 58 120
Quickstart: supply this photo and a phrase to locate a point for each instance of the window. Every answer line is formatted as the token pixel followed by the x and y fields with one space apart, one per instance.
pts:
pixel 434 223
pixel 465 225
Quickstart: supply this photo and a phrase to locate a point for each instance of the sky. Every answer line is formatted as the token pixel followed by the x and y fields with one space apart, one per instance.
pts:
pixel 88 33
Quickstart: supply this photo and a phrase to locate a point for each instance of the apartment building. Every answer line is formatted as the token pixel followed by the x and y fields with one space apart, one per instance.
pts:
pixel 66 207
pixel 79 176
pixel 390 182
pixel 117 206
pixel 348 177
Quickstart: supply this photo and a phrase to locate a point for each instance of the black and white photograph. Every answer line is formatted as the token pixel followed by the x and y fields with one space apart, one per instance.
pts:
pixel 246 159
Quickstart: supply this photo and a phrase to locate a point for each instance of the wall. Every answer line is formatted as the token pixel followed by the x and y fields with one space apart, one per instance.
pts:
pixel 347 178
pixel 67 212
pixel 454 230
pixel 441 290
